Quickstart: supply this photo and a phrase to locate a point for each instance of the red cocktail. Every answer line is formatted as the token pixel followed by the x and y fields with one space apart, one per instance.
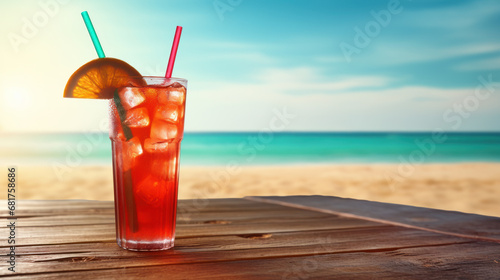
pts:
pixel 147 125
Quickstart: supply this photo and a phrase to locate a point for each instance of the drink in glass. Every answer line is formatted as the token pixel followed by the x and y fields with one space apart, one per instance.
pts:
pixel 147 125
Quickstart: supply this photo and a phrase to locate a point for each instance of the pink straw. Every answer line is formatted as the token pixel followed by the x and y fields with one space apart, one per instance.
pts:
pixel 173 52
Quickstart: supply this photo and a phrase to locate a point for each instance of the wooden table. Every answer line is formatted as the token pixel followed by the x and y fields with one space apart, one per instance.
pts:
pixel 295 237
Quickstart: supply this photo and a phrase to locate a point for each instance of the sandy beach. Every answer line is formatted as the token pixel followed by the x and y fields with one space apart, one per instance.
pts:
pixel 465 187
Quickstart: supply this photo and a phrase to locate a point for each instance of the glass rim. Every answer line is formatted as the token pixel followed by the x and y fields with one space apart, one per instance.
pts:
pixel 159 77
pixel 155 78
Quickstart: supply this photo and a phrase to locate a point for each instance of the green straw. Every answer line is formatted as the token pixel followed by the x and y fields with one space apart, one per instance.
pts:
pixel 93 35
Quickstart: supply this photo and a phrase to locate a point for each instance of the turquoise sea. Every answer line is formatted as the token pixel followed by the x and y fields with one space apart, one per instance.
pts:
pixel 253 148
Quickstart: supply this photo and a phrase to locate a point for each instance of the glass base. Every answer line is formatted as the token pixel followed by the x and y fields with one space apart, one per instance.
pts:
pixel 145 245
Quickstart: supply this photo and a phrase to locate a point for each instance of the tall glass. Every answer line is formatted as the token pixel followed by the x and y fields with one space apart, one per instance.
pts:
pixel 147 125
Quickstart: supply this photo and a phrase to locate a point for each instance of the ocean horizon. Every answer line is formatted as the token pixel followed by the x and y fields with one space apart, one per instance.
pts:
pixel 254 148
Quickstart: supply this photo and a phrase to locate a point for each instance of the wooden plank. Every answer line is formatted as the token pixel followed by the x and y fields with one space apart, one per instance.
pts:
pixel 64 220
pixel 226 204
pixel 276 212
pixel 187 208
pixel 57 205
pixel 228 248
pixel 448 222
pixel 106 232
pixel 475 261
pixel 222 204
pixel 342 238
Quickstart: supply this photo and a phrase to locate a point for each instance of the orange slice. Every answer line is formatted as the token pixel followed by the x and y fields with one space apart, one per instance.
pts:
pixel 99 78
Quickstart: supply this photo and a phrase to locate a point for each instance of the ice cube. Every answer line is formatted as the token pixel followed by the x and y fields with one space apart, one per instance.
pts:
pixel 161 129
pixel 164 165
pixel 176 96
pixel 152 191
pixel 159 167
pixel 131 97
pixel 181 112
pixel 172 169
pixel 150 92
pixel 155 145
pixel 133 147
pixel 169 113
pixel 175 93
pixel 130 150
pixel 137 117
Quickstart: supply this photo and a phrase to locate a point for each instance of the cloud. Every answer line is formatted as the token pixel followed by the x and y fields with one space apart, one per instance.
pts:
pixel 307 80
pixel 479 65
pixel 460 16
pixel 250 106
pixel 399 52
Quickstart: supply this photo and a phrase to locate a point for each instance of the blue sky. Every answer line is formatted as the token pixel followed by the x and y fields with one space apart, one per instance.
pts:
pixel 246 60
